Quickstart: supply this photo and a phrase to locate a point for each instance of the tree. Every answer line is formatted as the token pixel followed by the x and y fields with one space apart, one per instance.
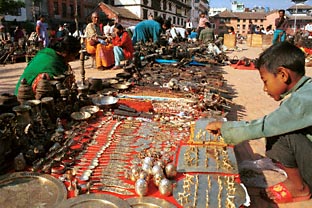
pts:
pixel 10 6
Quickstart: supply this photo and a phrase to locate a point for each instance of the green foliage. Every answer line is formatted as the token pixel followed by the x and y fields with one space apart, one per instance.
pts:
pixel 10 6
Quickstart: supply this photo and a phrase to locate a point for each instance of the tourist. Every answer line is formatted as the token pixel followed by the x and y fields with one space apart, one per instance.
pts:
pixel 123 48
pixel 51 61
pixel 42 31
pixel 281 24
pixel 287 129
pixel 150 30
pixel 98 45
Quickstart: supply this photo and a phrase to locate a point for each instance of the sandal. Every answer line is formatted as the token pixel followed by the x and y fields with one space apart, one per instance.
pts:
pixel 282 194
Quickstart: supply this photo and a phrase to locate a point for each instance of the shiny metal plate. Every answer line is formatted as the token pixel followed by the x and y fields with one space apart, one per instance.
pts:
pixel 28 189
pixel 95 201
pixel 149 202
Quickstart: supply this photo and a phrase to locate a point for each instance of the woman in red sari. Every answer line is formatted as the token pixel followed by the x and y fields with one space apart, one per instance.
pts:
pixel 123 48
pixel 96 45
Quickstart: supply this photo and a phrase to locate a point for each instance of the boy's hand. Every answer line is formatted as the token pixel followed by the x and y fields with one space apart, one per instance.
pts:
pixel 214 127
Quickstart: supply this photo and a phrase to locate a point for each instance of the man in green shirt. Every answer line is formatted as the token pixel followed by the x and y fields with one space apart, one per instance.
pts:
pixel 288 129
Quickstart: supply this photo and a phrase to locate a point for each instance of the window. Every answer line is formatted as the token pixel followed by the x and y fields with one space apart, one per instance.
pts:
pixel 156 5
pixel 244 20
pixel 164 5
pixel 244 27
pixel 155 14
pixel 256 20
pixel 56 10
pixel 238 20
pixel 174 20
pixel 170 6
pixel 72 10
pixel 64 10
pixel 144 13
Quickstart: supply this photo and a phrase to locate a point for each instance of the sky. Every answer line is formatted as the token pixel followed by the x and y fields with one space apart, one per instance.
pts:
pixel 273 4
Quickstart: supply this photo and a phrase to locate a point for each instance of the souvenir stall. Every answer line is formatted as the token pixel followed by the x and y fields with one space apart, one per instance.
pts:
pixel 136 140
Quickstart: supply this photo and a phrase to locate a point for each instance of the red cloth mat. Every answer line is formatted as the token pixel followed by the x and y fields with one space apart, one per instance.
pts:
pixel 138 105
pixel 241 65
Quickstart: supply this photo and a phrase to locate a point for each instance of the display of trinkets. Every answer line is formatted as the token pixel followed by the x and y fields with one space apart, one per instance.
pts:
pixel 195 158
pixel 201 136
pixel 205 191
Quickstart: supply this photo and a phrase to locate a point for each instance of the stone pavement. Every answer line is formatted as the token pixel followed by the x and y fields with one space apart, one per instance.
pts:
pixel 249 97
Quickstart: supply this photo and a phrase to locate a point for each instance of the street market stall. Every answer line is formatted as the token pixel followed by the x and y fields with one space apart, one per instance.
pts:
pixel 137 140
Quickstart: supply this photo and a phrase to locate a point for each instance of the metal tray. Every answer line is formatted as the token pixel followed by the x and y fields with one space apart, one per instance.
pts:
pixel 205 152
pixel 208 195
pixel 28 189
pixel 95 201
pixel 149 202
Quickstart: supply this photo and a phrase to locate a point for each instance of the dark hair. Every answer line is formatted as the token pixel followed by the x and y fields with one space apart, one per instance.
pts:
pixel 208 24
pixel 167 23
pixel 119 26
pixel 281 10
pixel 282 54
pixel 68 44
pixel 159 19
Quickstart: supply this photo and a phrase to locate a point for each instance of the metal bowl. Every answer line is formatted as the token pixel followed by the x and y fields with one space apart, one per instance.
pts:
pixel 80 116
pixel 104 100
pixel 92 109
pixel 120 86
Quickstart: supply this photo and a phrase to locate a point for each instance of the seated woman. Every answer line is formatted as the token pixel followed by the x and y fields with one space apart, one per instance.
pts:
pixel 123 48
pixel 51 61
pixel 96 44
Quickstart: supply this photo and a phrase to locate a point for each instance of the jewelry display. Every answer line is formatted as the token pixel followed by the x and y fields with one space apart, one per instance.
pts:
pixel 213 191
pixel 196 158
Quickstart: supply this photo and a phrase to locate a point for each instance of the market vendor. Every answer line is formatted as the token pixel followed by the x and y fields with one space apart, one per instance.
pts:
pixel 51 61
pixel 287 129
pixel 98 45
pixel 150 30
pixel 123 48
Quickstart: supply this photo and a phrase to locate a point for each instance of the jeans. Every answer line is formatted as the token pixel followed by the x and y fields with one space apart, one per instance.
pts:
pixel 119 56
pixel 276 35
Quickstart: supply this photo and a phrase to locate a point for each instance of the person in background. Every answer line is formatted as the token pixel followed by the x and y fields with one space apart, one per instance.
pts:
pixel 176 34
pixel 288 129
pixel 201 22
pixel 231 30
pixel 257 30
pixel 268 30
pixel 149 30
pixel 188 26
pixel 251 27
pixel 106 29
pixel 281 25
pixel 192 37
pixel 308 29
pixel 60 32
pixel 18 34
pixel 51 61
pixel 42 31
pixel 123 48
pixel 207 34
pixel 96 44
pixel 66 29
pixel 3 37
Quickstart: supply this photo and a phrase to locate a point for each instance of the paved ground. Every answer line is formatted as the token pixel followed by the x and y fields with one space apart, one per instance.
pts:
pixel 251 102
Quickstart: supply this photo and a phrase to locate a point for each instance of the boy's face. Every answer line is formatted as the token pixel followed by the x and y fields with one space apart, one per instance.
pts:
pixel 273 84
